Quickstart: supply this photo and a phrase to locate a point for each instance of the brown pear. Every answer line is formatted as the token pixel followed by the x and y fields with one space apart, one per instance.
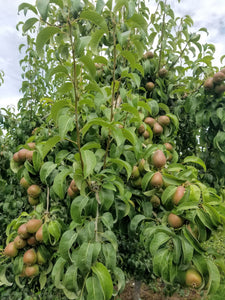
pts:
pixel 16 157
pixel 148 55
pixel 157 180
pixel 219 89
pixel 158 159
pixel 73 186
pixel 209 84
pixel 32 241
pixel 168 146
pixel 163 72
pixel 33 225
pixel 22 231
pixel 32 271
pixel 218 77
pixel 223 71
pixel 22 154
pixel 70 192
pixel 30 257
pixel 150 121
pixel 24 183
pixel 149 86
pixel 19 242
pixel 175 221
pixel 29 155
pixel 10 250
pixel 39 234
pixel 146 134
pixel 34 191
pixel 157 129
pixel 141 129
pixel 164 120
pixel 31 145
pixel 178 195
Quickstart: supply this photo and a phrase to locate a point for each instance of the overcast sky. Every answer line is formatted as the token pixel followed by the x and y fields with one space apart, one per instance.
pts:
pixel 205 13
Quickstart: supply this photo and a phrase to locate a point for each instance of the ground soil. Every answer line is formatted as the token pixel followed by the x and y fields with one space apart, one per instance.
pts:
pixel 131 292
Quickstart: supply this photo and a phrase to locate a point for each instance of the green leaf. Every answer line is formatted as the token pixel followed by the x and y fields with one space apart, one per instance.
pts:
pixel 70 278
pixel 95 40
pixel 99 6
pixel 137 21
pixel 95 18
pixel 59 183
pixel 89 162
pixel 167 194
pixel 111 237
pixel 25 6
pixel 105 279
pixel 46 170
pixel 195 159
pixel 192 240
pixel 77 206
pixel 37 161
pixel 187 250
pixel 57 272
pixel 136 221
pixel 130 135
pixel 58 69
pixel 130 57
pixel 84 258
pixel 42 6
pixel 48 145
pixel 89 65
pixel 66 123
pixel 91 145
pixel 120 4
pixel 146 179
pixel 3 279
pixel 57 107
pixel 67 240
pixel 97 121
pixel 145 106
pixel 158 240
pixel 29 23
pixel 127 107
pixel 214 277
pixel 107 220
pixel 54 230
pixel 122 164
pixel 110 256
pixel 94 289
pixel 43 36
pixel 106 198
pixel 119 275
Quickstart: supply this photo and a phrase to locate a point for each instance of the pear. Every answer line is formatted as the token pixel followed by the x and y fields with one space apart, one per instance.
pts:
pixel 178 195
pixel 39 234
pixel 70 192
pixel 10 250
pixel 31 145
pixel 164 120
pixel 155 201
pixel 208 84
pixel 135 172
pixel 33 201
pixel 32 241
pixel 148 55
pixel 157 129
pixel 141 129
pixel 218 77
pixel 150 121
pixel 19 242
pixel 149 86
pixel 158 159
pixel 22 154
pixel 29 155
pixel 30 257
pixel 193 278
pixel 24 183
pixel 175 221
pixel 33 225
pixel 34 191
pixel 168 146
pixel 141 165
pixel 32 271
pixel 157 180
pixel 16 157
pixel 22 231
pixel 73 186
pixel 146 134
pixel 163 72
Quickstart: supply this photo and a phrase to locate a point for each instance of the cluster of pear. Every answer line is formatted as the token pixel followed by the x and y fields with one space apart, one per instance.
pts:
pixel 216 83
pixel 156 124
pixel 72 190
pixel 30 234
pixel 24 154
pixel 33 191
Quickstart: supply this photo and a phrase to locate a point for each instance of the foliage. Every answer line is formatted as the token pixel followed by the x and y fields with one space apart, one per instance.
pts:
pixel 107 204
